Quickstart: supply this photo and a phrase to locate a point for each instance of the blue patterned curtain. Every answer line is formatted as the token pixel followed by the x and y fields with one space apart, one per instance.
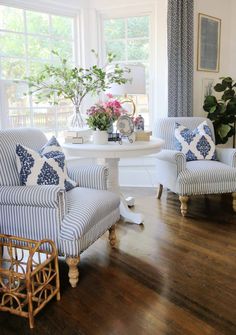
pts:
pixel 180 57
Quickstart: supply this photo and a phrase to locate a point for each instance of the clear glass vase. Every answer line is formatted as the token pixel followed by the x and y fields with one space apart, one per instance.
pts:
pixel 75 121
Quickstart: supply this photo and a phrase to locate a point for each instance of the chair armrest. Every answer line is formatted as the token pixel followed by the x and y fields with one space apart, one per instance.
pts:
pixel 38 196
pixel 174 157
pixel 227 156
pixel 90 176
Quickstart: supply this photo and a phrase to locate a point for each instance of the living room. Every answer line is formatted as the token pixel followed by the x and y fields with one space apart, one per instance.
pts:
pixel 160 257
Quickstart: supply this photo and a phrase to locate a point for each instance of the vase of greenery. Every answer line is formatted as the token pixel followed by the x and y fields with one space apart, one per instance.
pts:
pixel 222 111
pixel 74 83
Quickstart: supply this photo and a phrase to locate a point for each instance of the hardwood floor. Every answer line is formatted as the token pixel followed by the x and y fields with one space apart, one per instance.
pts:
pixel 173 275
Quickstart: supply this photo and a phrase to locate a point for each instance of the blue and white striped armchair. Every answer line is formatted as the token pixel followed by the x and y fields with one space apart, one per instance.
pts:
pixel 73 219
pixel 193 177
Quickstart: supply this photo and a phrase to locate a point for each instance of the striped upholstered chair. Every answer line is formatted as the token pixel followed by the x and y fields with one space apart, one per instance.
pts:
pixel 73 219
pixel 187 178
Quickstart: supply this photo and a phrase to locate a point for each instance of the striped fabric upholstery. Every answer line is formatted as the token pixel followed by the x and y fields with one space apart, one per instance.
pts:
pixel 73 219
pixel 174 157
pixel 94 176
pixel 75 247
pixel 31 222
pixel 206 177
pixel 29 137
pixel 196 177
pixel 38 196
pixel 227 156
pixel 86 207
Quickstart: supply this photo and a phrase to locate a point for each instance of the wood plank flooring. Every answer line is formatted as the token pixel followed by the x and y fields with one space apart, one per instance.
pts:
pixel 170 276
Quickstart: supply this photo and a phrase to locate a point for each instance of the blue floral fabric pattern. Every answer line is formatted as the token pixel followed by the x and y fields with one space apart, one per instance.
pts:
pixel 27 162
pixel 48 176
pixel 195 144
pixel 52 149
pixel 46 167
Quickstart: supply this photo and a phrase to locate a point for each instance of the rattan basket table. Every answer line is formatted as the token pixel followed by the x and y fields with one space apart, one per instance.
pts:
pixel 29 275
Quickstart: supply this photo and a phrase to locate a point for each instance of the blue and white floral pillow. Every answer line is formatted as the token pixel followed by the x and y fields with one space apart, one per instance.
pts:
pixel 195 144
pixel 46 167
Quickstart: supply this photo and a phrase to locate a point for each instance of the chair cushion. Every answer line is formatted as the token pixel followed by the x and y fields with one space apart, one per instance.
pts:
pixel 85 208
pixel 206 177
pixel 47 168
pixel 52 149
pixel 195 144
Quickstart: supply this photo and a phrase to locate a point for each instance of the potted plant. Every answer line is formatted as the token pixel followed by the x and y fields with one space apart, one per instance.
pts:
pixel 222 111
pixel 101 116
pixel 74 83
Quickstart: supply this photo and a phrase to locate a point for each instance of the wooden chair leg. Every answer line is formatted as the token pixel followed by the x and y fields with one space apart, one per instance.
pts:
pixel 234 201
pixel 159 191
pixel 184 204
pixel 112 236
pixel 73 274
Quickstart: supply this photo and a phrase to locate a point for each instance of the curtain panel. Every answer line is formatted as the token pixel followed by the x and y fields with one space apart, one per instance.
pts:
pixel 180 57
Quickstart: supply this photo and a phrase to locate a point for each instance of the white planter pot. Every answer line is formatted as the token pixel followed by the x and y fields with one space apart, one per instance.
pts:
pixel 100 137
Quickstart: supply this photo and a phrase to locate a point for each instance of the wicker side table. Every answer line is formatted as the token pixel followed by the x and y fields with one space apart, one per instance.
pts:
pixel 29 275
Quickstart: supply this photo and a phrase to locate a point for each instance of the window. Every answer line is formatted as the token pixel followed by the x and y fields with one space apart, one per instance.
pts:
pixel 129 39
pixel 27 38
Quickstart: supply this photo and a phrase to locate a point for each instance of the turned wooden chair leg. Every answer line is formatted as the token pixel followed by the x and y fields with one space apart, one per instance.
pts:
pixel 73 274
pixel 112 236
pixel 159 191
pixel 184 204
pixel 234 201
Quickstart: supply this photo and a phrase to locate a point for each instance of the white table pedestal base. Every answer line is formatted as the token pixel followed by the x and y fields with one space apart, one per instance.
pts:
pixel 109 154
pixel 113 185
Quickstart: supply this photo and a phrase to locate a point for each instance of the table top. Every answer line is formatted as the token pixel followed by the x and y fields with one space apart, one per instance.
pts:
pixel 114 149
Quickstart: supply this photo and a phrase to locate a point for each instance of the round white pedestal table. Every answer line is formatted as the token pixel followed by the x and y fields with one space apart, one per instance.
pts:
pixel 109 155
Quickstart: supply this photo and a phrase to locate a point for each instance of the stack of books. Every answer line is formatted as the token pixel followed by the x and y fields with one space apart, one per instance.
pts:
pixel 143 135
pixel 78 136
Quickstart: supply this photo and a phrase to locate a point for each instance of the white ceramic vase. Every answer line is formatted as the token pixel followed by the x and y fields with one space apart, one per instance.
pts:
pixel 100 137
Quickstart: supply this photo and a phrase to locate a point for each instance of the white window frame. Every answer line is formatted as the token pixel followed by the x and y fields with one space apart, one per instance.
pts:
pixel 50 9
pixel 133 11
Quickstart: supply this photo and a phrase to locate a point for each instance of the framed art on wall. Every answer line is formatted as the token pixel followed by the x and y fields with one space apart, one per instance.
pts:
pixel 209 28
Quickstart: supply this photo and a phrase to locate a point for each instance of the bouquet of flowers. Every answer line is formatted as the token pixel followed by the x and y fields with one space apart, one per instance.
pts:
pixel 114 106
pixel 103 114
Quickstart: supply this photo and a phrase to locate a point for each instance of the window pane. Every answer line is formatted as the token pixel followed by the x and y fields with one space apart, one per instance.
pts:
pixel 11 19
pixel 138 26
pixel 117 48
pixel 64 48
pixel 16 95
pixel 142 99
pixel 24 50
pixel 13 68
pixel 62 116
pixel 44 118
pixel 39 47
pixel 114 29
pixel 12 44
pixel 19 118
pixel 62 26
pixel 35 67
pixel 37 23
pixel 138 49
pixel 130 40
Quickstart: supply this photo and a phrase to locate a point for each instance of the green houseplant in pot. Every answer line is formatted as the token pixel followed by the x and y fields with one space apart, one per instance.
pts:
pixel 222 111
pixel 74 83
pixel 99 119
